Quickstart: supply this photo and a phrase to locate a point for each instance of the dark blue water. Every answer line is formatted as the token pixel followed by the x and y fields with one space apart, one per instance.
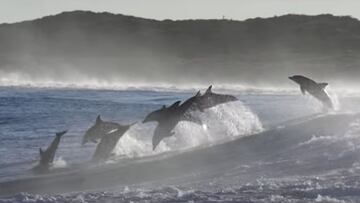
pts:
pixel 29 118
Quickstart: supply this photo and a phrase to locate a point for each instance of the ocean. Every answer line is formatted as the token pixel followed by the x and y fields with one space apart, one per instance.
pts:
pixel 270 146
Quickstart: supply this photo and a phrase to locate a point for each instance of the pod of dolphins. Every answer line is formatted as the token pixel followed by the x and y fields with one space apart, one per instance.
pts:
pixel 167 117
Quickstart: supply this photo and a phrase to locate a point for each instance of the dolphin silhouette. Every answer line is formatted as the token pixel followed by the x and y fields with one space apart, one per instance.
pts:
pixel 47 156
pixel 108 143
pixel 163 130
pixel 168 118
pixel 315 89
pixel 210 99
pixel 99 129
pixel 161 114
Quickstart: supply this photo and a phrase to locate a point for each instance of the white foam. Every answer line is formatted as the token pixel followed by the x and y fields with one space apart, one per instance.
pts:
pixel 220 123
pixel 350 140
pixel 59 163
pixel 335 100
pixel 328 199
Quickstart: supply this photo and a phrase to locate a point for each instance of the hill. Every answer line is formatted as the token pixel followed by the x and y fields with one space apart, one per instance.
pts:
pixel 108 47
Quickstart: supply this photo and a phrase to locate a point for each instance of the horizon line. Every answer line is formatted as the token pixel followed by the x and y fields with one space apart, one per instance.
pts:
pixel 175 20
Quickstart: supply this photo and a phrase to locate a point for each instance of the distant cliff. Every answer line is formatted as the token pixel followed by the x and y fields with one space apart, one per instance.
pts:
pixel 105 46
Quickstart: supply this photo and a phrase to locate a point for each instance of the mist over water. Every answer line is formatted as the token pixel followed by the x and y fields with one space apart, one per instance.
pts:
pixel 104 50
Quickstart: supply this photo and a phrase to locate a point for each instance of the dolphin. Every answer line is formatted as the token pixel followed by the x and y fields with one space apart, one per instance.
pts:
pixel 174 114
pixel 108 143
pixel 47 156
pixel 175 109
pixel 161 114
pixel 163 130
pixel 99 129
pixel 169 117
pixel 210 99
pixel 315 89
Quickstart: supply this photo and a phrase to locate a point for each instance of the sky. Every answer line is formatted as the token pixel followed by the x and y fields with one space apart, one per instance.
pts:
pixel 19 10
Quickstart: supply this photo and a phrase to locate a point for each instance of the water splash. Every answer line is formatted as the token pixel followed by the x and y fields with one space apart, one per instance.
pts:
pixel 335 100
pixel 221 123
pixel 59 163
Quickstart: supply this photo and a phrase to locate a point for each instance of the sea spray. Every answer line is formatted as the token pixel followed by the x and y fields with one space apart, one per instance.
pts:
pixel 221 123
pixel 59 163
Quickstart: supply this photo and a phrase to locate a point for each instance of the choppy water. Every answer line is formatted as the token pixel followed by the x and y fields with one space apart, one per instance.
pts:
pixel 277 147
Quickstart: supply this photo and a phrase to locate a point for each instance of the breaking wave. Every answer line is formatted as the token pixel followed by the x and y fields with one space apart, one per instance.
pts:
pixel 312 161
pixel 77 80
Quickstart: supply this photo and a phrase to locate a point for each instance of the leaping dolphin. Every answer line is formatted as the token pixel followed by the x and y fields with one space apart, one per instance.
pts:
pixel 108 143
pixel 163 130
pixel 174 110
pixel 99 129
pixel 315 89
pixel 47 156
pixel 210 99
pixel 168 118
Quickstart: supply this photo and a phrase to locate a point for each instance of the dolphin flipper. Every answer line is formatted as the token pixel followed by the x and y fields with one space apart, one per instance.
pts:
pixel 302 89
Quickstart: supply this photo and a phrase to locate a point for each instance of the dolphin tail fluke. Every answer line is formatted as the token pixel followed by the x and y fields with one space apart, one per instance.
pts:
pixel 323 85
pixel 59 134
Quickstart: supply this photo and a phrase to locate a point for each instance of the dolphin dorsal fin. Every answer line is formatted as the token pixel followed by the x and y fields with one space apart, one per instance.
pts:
pixel 174 105
pixel 198 94
pixel 98 119
pixel 323 85
pixel 208 89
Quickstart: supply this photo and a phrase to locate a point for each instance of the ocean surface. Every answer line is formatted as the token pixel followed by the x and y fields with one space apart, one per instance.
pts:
pixel 267 147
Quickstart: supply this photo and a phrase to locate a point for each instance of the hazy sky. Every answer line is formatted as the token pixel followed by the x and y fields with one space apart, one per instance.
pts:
pixel 18 10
